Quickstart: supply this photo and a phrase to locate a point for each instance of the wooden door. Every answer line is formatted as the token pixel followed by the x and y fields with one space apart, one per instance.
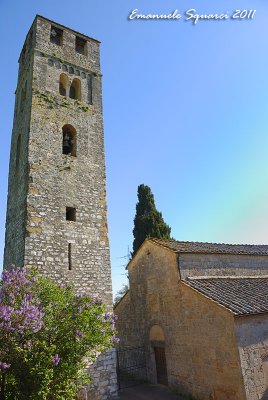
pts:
pixel 161 366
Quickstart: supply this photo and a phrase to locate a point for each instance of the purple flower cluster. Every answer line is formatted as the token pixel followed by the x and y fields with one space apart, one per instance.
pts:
pixel 115 339
pixel 4 366
pixel 56 360
pixel 19 314
pixel 94 299
pixel 27 317
pixel 16 278
pixel 24 301
pixel 86 301
pixel 78 333
pixel 111 318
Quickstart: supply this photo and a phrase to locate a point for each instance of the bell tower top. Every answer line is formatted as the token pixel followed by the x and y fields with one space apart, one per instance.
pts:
pixel 52 38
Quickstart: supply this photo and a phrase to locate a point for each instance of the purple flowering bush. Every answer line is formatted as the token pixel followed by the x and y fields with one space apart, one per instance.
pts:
pixel 48 334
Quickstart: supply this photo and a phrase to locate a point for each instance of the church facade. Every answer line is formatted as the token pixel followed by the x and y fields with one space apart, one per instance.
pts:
pixel 200 313
pixel 56 210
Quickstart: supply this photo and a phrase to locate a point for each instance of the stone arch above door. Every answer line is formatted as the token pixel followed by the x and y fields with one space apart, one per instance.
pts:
pixel 156 334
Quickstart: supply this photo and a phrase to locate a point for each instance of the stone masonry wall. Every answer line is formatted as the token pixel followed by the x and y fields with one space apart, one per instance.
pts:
pixel 51 181
pixel 222 265
pixel 104 377
pixel 252 338
pixel 200 343
pixel 57 181
pixel 205 357
pixel 18 165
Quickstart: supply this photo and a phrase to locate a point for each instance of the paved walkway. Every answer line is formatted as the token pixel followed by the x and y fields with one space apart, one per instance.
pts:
pixel 147 392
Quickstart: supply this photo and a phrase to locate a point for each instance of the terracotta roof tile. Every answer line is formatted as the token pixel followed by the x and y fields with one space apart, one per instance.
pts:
pixel 242 296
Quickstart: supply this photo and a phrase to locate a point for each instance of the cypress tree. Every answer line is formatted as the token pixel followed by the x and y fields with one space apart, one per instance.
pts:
pixel 148 222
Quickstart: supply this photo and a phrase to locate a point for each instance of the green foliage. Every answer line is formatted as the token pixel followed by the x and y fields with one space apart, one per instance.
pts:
pixel 83 108
pixel 121 293
pixel 46 98
pixel 66 164
pixel 65 103
pixel 148 222
pixel 48 362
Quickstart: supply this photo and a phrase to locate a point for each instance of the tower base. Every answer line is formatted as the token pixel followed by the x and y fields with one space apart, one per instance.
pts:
pixel 104 379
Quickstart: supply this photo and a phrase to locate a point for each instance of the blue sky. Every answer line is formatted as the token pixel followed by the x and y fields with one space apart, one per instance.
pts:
pixel 185 112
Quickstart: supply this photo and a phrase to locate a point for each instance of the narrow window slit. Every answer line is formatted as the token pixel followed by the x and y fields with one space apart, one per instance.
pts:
pixel 89 81
pixel 70 256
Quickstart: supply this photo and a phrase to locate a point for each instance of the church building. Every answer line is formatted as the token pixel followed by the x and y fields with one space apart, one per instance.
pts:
pixel 199 312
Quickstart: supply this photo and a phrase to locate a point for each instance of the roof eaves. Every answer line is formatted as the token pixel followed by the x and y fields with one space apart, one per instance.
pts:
pixel 248 314
pixel 155 241
pixel 229 253
pixel 152 240
pixel 135 255
pixel 232 248
pixel 193 278
pixel 121 298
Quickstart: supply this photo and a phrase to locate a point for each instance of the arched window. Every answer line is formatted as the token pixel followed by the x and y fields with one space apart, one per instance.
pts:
pixel 75 89
pixel 69 140
pixel 63 84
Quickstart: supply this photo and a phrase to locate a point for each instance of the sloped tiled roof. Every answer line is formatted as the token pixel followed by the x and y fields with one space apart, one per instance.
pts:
pixel 242 296
pixel 212 248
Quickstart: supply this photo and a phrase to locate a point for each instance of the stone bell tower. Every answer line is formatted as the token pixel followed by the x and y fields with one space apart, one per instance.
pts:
pixel 56 211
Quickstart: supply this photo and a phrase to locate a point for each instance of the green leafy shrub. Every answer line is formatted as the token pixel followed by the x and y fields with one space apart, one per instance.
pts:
pixel 48 334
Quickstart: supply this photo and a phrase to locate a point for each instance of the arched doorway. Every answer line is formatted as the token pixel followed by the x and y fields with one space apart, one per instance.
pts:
pixel 157 340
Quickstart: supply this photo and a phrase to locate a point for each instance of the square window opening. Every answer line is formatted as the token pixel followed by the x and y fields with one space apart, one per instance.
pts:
pixel 56 35
pixel 80 45
pixel 70 214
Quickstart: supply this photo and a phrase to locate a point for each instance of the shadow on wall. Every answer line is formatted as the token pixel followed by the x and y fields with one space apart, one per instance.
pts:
pixel 265 395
